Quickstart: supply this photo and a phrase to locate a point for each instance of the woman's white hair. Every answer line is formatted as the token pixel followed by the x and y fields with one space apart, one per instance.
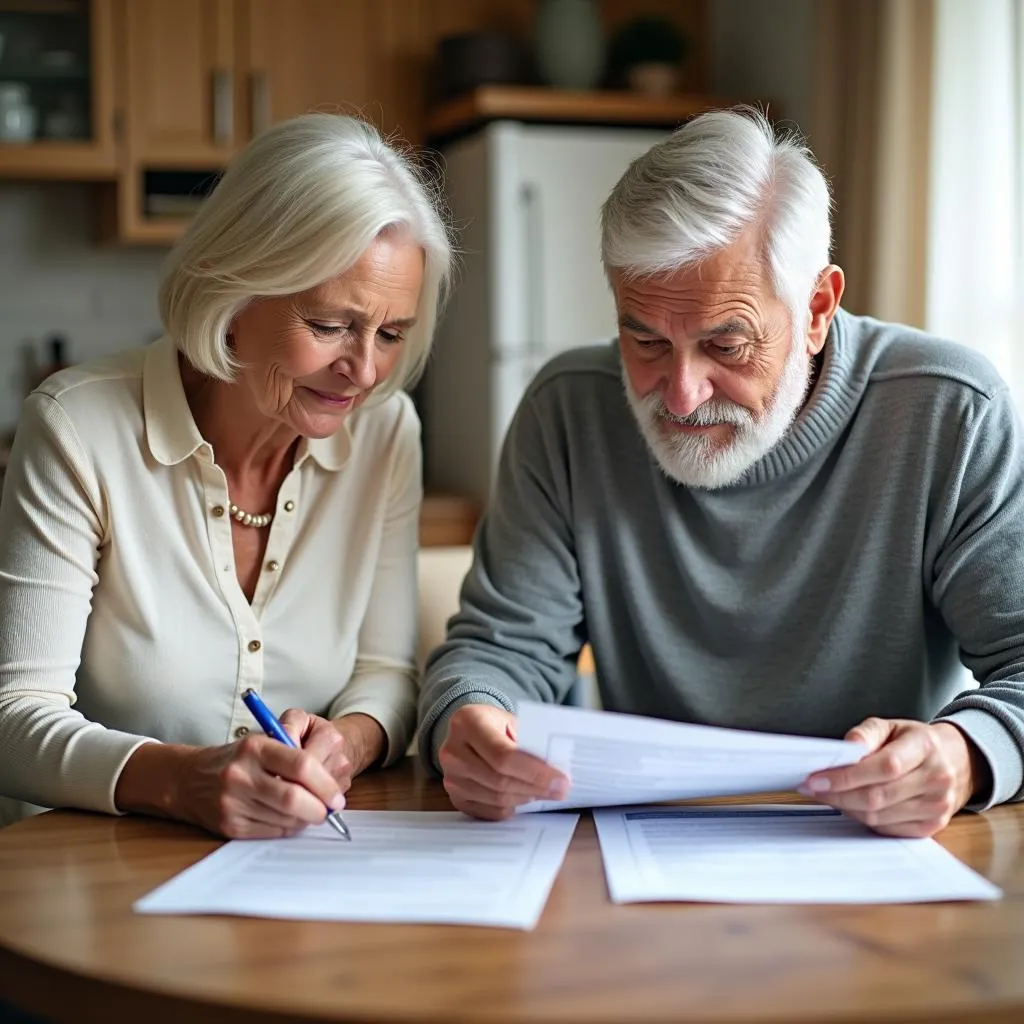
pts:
pixel 718 175
pixel 295 208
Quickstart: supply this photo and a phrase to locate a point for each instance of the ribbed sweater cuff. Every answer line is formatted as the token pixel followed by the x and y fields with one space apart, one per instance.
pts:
pixel 999 748
pixel 434 728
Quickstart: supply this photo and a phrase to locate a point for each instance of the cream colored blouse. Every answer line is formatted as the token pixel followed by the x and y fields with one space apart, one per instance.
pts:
pixel 121 617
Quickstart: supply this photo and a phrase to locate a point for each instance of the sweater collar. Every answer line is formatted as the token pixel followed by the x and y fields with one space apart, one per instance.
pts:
pixel 840 385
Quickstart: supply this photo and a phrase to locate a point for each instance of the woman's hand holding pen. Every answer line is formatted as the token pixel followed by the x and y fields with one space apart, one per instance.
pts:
pixel 256 788
pixel 269 789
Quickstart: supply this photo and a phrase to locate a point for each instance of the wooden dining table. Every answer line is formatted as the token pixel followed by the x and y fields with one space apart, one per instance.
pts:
pixel 72 949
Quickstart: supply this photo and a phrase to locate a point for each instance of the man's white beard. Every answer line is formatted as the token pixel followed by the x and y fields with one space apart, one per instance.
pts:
pixel 696 460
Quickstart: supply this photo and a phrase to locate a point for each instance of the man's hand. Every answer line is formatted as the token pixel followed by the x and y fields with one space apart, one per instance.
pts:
pixel 914 778
pixel 484 774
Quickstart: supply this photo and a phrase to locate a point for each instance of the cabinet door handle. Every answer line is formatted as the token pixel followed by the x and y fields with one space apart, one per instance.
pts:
pixel 223 108
pixel 260 89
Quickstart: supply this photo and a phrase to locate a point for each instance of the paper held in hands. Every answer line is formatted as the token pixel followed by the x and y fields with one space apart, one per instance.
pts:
pixel 615 759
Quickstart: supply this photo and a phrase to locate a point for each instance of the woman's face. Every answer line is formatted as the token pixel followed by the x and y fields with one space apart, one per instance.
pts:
pixel 307 360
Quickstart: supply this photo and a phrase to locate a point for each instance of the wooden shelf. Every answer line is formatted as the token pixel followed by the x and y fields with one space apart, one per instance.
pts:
pixel 56 161
pixel 153 231
pixel 447 520
pixel 533 103
pixel 30 74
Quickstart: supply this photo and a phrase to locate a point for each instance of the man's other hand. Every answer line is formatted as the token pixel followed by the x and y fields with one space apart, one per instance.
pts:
pixel 913 779
pixel 484 773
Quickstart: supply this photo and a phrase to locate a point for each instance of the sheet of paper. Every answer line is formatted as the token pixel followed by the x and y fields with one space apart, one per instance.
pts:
pixel 627 759
pixel 411 866
pixel 750 853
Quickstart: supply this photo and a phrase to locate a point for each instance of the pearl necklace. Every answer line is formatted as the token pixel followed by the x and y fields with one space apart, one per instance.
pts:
pixel 248 518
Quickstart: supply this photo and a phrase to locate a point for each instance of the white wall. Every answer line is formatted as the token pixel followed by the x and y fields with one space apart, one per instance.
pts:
pixel 53 277
pixel 763 51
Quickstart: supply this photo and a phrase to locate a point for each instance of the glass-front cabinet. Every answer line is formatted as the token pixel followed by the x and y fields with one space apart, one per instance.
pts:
pixel 56 89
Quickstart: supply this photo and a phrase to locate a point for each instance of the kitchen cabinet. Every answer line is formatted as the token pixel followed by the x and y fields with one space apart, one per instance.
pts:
pixel 177 89
pixel 203 77
pixel 301 55
pixel 60 55
pixel 152 98
pixel 179 82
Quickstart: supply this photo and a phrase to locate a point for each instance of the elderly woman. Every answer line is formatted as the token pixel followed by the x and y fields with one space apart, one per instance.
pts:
pixel 234 506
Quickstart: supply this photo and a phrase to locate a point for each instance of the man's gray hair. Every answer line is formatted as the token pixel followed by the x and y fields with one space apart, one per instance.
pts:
pixel 718 175
pixel 298 206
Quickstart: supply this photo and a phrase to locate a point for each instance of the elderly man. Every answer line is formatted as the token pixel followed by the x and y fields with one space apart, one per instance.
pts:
pixel 760 510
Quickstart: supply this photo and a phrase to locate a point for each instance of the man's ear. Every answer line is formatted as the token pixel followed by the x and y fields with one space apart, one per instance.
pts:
pixel 823 306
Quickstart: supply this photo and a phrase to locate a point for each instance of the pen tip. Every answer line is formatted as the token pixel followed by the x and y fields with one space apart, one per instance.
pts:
pixel 335 821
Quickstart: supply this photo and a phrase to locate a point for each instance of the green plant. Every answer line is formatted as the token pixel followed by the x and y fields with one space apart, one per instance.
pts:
pixel 647 39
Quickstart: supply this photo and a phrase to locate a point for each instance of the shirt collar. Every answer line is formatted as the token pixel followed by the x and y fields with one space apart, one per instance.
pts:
pixel 330 453
pixel 172 433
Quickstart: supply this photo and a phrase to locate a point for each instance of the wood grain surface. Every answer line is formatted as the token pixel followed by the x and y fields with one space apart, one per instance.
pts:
pixel 71 948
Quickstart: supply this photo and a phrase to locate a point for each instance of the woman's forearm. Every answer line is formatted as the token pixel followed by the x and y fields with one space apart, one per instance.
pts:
pixel 365 739
pixel 151 781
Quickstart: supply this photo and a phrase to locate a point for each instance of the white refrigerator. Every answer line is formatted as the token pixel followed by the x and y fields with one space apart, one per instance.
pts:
pixel 525 201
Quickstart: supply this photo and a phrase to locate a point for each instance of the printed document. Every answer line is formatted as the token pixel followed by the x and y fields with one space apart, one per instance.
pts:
pixel 765 853
pixel 411 866
pixel 627 759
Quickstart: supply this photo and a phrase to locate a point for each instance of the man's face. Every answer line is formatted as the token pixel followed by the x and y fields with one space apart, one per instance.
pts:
pixel 714 368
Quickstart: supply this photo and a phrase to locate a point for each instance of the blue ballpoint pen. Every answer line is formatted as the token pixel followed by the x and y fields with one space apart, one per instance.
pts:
pixel 273 728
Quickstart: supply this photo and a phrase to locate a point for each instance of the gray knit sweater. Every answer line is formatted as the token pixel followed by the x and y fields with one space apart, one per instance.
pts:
pixel 849 572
